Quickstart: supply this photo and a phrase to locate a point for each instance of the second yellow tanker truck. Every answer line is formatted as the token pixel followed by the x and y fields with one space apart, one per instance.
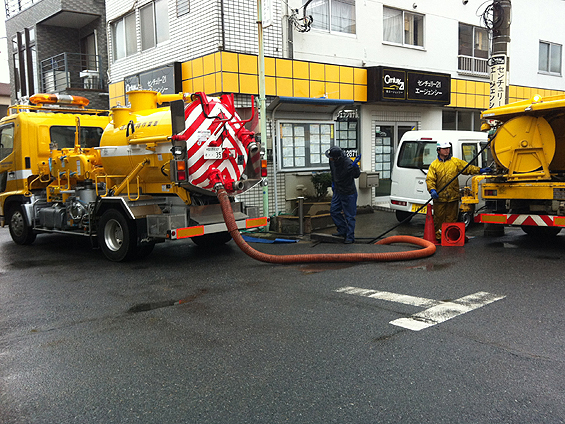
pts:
pixel 130 178
pixel 527 188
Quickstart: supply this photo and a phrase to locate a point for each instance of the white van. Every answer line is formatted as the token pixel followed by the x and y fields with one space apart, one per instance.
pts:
pixel 415 153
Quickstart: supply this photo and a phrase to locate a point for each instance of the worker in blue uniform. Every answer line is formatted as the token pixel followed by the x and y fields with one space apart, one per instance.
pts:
pixel 343 208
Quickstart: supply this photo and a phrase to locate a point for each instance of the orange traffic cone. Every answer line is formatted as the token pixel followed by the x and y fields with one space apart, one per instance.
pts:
pixel 429 230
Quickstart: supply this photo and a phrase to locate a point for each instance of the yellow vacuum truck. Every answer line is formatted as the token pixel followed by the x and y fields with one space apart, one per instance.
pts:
pixel 129 177
pixel 527 187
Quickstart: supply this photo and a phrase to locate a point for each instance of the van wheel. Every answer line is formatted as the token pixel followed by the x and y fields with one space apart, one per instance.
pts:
pixel 402 215
pixel 20 230
pixel 116 236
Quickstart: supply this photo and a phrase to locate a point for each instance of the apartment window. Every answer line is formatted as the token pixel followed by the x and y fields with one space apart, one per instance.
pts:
pixel 550 58
pixel 183 7
pixel 401 27
pixel 154 24
pixel 473 41
pixel 124 38
pixel 461 120
pixel 473 50
pixel 332 15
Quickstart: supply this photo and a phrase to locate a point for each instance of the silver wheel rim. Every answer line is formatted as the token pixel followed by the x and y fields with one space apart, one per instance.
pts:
pixel 17 224
pixel 113 235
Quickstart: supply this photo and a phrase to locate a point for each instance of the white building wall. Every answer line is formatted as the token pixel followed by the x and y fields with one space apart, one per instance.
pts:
pixel 196 34
pixel 531 22
pixel 192 35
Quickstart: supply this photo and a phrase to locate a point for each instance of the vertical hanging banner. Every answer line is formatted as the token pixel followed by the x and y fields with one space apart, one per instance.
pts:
pixel 498 80
pixel 267 13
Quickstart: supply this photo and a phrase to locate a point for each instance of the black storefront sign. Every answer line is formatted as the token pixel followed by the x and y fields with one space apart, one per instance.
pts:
pixel 407 86
pixel 166 79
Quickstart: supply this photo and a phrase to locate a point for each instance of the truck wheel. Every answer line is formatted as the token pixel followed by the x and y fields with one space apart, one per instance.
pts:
pixel 467 218
pixel 402 215
pixel 540 232
pixel 116 236
pixel 20 230
pixel 211 240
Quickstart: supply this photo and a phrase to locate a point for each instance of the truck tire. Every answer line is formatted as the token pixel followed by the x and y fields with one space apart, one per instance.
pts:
pixel 402 215
pixel 467 218
pixel 20 230
pixel 211 240
pixel 540 232
pixel 117 236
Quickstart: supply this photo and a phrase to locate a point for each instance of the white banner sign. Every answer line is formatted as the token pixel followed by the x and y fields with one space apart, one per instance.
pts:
pixel 267 13
pixel 498 80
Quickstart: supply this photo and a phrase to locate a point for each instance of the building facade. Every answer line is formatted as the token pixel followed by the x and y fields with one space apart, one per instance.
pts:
pixel 57 46
pixel 357 74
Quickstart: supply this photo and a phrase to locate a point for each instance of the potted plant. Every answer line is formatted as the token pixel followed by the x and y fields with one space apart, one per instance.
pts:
pixel 321 181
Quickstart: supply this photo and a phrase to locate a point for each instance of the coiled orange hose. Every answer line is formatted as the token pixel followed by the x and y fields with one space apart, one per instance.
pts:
pixel 428 247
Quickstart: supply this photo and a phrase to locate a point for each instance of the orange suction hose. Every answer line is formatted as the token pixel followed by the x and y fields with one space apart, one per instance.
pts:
pixel 428 247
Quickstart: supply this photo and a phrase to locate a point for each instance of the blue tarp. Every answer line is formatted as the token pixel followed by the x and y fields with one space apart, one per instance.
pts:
pixel 250 239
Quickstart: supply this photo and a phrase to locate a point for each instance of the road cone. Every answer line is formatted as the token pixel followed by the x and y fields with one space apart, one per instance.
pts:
pixel 429 230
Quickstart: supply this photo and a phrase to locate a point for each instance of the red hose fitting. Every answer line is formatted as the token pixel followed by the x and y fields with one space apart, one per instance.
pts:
pixel 180 137
pixel 215 177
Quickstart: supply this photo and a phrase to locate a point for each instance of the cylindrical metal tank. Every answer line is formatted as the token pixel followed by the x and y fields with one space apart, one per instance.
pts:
pixel 215 138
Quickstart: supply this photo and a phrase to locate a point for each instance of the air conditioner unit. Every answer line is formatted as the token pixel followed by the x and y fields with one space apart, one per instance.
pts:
pixel 55 81
pixel 90 78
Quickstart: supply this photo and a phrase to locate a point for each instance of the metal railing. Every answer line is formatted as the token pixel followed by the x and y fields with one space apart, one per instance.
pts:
pixel 475 66
pixel 13 7
pixel 71 70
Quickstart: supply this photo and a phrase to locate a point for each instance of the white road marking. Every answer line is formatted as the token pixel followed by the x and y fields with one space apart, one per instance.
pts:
pixel 437 311
pixel 392 297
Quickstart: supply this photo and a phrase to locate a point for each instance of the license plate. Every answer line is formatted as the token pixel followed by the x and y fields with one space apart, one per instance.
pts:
pixel 416 206
pixel 213 153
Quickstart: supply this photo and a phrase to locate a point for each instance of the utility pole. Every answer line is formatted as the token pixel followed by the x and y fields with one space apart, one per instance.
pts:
pixel 499 60
pixel 499 67
pixel 267 7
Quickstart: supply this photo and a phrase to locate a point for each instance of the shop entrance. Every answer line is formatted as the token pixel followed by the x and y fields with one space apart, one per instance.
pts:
pixel 387 137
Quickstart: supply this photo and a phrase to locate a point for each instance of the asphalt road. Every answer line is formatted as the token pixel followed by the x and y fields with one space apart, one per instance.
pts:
pixel 195 336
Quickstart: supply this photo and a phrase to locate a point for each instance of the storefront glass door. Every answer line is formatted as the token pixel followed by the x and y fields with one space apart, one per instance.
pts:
pixel 387 137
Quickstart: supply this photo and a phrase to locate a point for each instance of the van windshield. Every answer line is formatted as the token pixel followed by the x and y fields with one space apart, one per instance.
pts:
pixel 417 154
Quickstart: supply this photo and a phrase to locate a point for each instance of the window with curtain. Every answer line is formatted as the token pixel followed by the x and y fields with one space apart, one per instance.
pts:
pixel 550 57
pixel 333 15
pixel 473 41
pixel 154 19
pixel 124 40
pixel 402 27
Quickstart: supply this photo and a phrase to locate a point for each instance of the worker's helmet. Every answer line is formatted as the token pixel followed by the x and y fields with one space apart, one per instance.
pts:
pixel 443 145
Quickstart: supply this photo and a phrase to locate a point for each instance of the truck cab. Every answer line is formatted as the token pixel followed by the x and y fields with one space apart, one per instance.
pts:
pixel 417 150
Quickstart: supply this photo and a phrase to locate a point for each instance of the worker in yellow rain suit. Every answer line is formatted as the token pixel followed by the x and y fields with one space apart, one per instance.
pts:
pixel 441 171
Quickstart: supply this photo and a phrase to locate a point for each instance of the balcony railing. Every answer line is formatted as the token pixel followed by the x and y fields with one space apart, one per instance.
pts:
pixel 13 7
pixel 71 70
pixel 474 66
